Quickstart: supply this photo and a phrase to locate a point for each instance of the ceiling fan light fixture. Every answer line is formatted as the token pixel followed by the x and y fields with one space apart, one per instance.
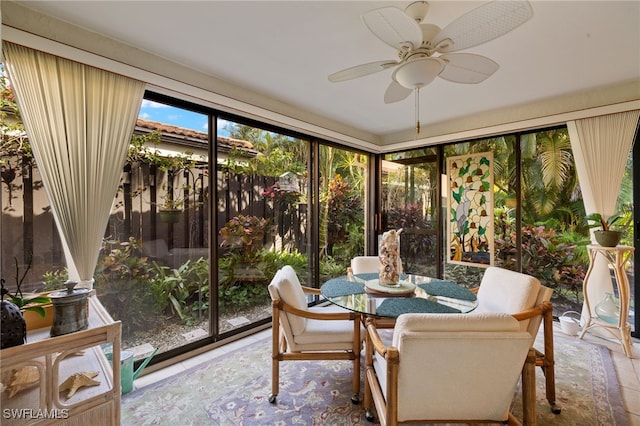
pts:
pixel 418 72
pixel 417 10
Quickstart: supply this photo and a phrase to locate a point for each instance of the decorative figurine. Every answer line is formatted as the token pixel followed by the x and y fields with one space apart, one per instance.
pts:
pixel 389 254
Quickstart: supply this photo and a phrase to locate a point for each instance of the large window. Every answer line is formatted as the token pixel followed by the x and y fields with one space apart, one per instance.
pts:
pixel 262 214
pixel 539 224
pixel 342 186
pixel 211 205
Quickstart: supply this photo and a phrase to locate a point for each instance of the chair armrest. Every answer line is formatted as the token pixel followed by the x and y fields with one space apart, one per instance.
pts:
pixel 541 309
pixel 376 341
pixel 311 290
pixel 315 315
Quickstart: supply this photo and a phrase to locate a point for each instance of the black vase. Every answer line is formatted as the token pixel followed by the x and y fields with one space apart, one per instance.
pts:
pixel 13 328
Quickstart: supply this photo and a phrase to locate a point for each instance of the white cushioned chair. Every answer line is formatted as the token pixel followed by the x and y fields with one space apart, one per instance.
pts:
pixel 456 368
pixel 521 295
pixel 367 265
pixel 316 333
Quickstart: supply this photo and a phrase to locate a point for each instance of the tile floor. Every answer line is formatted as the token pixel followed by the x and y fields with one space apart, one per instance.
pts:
pixel 627 369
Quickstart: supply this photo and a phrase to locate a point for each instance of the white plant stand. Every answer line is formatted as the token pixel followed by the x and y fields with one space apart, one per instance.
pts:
pixel 617 258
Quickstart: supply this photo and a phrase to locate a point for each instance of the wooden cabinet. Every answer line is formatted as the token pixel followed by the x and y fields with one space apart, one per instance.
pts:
pixel 616 258
pixel 54 359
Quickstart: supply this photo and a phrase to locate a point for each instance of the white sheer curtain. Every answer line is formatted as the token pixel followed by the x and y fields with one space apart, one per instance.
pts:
pixel 79 120
pixel 601 147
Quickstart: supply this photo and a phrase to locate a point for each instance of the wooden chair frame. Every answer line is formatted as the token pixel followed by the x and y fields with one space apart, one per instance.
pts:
pixel 545 360
pixel 280 350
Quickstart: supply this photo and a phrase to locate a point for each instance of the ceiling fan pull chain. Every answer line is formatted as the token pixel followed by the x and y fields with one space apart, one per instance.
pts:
pixel 417 111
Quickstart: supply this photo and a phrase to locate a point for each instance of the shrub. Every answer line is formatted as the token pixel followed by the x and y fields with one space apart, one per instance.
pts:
pixel 185 291
pixel 552 261
pixel 121 281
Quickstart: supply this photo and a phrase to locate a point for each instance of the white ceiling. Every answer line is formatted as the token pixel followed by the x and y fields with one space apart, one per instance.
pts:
pixel 285 50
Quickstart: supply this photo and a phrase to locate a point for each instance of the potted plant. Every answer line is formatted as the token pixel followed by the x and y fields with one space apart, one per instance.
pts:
pixel 170 208
pixel 15 322
pixel 611 228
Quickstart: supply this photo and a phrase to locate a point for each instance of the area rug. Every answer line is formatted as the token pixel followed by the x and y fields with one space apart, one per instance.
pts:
pixel 233 390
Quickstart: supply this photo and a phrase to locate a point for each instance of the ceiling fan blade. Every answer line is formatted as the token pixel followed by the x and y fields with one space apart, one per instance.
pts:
pixel 467 68
pixel 394 27
pixel 361 70
pixel 489 21
pixel 396 93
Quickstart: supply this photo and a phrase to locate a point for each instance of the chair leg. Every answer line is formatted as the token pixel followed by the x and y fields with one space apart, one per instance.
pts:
pixel 512 421
pixel 357 344
pixel 548 361
pixel 275 378
pixel 275 357
pixel 529 390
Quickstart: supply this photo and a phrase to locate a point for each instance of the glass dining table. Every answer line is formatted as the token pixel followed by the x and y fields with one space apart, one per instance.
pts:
pixel 362 293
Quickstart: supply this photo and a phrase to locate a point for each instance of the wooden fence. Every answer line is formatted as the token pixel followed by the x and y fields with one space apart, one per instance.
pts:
pixel 28 228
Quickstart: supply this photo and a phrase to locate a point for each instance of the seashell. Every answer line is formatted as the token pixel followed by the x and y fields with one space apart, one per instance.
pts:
pixel 78 380
pixel 23 378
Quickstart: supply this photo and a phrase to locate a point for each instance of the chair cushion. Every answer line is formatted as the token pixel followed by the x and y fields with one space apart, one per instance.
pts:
pixel 544 295
pixel 365 264
pixel 475 321
pixel 290 292
pixel 369 265
pixel 321 335
pixel 509 292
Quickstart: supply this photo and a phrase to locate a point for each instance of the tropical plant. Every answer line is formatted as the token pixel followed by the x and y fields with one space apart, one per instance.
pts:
pixel 122 278
pixel 550 188
pixel 552 261
pixel 612 223
pixel 55 279
pixel 344 209
pixel 244 234
pixel 186 289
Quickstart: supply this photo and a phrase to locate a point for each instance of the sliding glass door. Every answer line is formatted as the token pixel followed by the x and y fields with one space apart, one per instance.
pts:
pixel 409 200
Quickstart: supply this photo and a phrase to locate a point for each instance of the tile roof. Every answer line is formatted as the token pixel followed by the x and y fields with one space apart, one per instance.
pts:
pixel 193 135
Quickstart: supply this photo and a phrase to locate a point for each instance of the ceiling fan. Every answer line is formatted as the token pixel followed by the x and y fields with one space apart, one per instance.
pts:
pixel 425 51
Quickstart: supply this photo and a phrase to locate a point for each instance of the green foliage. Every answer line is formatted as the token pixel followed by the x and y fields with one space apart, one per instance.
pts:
pixel 121 281
pixel 27 303
pixel 54 280
pixel 140 150
pixel 330 268
pixel 550 259
pixel 236 294
pixel 236 163
pixel 138 291
pixel 274 260
pixel 549 179
pixel 277 153
pixel 616 222
pixel 244 234
pixel 344 210
pixel 185 291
